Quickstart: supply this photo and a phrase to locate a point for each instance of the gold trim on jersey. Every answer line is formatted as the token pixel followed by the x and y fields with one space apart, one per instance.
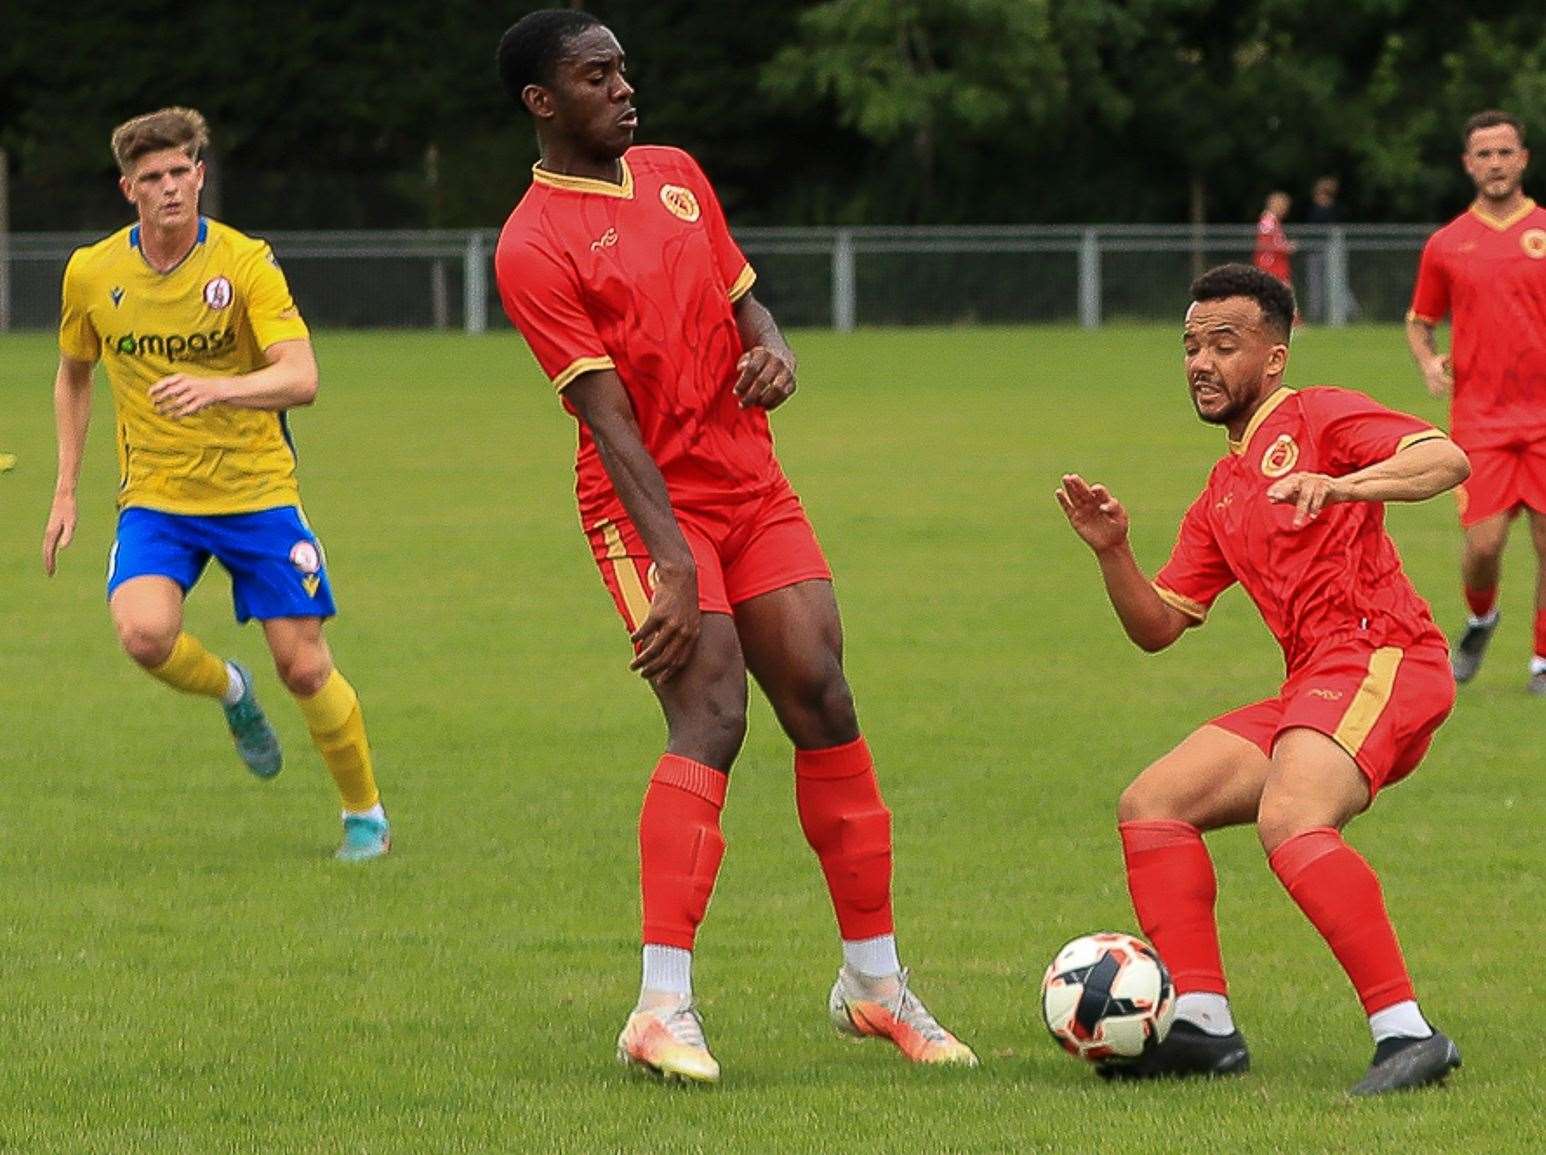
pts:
pixel 1414 315
pixel 1369 702
pixel 1263 411
pixel 627 578
pixel 743 283
pixel 1412 439
pixel 587 184
pixel 1507 222
pixel 578 367
pixel 1194 610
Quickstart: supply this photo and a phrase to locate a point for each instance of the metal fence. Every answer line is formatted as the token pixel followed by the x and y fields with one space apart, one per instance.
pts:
pixel 837 278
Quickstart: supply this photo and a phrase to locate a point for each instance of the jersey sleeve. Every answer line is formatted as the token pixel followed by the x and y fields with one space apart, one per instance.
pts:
pixel 734 269
pixel 1354 431
pixel 271 311
pixel 1197 572
pixel 542 299
pixel 78 337
pixel 1430 296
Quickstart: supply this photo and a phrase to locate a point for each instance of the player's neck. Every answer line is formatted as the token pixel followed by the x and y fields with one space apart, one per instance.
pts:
pixel 166 248
pixel 562 159
pixel 1501 209
pixel 1236 426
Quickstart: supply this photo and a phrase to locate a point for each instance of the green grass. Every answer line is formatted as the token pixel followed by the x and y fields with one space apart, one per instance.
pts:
pixel 187 971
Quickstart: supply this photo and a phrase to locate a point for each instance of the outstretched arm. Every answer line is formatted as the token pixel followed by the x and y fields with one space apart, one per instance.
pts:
pixel 1102 523
pixel 288 380
pixel 767 368
pixel 669 632
pixel 1416 473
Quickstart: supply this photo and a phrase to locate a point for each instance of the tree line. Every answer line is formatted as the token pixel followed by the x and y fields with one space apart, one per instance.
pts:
pixel 350 114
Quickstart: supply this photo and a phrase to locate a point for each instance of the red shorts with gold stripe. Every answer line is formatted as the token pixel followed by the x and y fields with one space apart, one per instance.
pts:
pixel 742 550
pixel 1503 479
pixel 1379 703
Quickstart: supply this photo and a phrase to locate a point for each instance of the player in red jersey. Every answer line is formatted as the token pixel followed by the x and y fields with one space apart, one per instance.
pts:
pixel 1273 248
pixel 1294 513
pixel 619 270
pixel 1486 270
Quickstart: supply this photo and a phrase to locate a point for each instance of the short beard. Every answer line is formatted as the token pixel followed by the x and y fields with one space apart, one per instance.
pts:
pixel 1234 409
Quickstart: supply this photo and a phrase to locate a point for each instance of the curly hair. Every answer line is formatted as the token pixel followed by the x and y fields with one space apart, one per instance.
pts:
pixel 1275 298
pixel 534 44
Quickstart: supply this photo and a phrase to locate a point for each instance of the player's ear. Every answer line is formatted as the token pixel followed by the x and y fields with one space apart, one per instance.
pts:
pixel 538 101
pixel 126 186
pixel 1277 357
pixel 199 171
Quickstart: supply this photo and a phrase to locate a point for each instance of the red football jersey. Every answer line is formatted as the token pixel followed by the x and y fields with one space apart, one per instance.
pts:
pixel 1272 248
pixel 1330 579
pixel 1490 276
pixel 641 277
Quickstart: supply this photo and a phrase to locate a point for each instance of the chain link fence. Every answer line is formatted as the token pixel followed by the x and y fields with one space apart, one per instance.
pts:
pixel 837 278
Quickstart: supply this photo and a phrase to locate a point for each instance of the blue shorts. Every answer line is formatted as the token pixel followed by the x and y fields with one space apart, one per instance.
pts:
pixel 276 563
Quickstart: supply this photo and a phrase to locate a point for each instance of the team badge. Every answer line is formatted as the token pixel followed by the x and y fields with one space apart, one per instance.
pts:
pixel 307 560
pixel 1534 243
pixel 681 202
pixel 1281 456
pixel 116 292
pixel 217 293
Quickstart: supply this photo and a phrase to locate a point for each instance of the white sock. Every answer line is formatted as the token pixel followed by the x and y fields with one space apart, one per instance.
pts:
pixel 1403 1020
pixel 872 956
pixel 234 686
pixel 375 812
pixel 667 969
pixel 1206 1010
pixel 1490 619
pixel 1537 665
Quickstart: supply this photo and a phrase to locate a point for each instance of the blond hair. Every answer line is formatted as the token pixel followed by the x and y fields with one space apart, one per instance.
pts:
pixel 175 127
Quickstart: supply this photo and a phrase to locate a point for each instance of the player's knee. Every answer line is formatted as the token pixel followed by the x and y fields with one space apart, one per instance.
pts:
pixel 304 671
pixel 1143 802
pixel 820 709
pixel 1280 816
pixel 148 643
pixel 712 732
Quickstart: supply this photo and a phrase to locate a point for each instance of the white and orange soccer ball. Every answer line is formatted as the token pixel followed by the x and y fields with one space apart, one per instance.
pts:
pixel 1108 997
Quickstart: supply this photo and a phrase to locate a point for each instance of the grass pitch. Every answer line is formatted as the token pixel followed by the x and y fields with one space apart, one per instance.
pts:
pixel 187 971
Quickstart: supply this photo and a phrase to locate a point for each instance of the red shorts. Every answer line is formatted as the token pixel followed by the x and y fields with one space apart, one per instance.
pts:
pixel 742 550
pixel 1502 480
pixel 1379 703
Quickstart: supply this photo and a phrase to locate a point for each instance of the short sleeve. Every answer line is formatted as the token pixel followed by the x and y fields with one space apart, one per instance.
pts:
pixel 1354 431
pixel 734 269
pixel 271 311
pixel 542 299
pixel 78 337
pixel 1197 572
pixel 1430 296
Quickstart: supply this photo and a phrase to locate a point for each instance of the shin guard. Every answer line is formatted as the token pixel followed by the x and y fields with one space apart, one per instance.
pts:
pixel 680 848
pixel 848 826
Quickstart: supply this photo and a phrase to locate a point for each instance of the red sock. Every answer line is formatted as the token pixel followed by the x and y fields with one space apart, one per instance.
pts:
pixel 1482 602
pixel 1540 633
pixel 680 848
pixel 1339 893
pixel 849 828
pixel 1170 877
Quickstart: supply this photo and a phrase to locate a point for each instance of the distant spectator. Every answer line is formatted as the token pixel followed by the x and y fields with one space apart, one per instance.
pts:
pixel 1273 247
pixel 1326 212
pixel 1324 209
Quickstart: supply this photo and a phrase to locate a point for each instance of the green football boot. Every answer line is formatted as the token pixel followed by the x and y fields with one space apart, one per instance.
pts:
pixel 256 741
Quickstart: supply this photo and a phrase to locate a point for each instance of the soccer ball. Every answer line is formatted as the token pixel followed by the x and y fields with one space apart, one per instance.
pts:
pixel 1108 996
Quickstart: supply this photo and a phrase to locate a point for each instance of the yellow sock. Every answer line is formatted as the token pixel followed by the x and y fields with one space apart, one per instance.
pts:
pixel 338 729
pixel 193 669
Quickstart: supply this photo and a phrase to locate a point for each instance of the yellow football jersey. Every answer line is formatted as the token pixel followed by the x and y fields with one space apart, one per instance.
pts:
pixel 212 315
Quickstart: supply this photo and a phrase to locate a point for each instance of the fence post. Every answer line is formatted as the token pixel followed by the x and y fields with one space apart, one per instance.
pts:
pixel 474 285
pixel 1338 296
pixel 844 290
pixel 1089 280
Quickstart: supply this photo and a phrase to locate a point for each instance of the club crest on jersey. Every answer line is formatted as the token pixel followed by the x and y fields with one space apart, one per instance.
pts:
pixel 307 560
pixel 217 293
pixel 681 202
pixel 1281 456
pixel 1533 242
pixel 116 293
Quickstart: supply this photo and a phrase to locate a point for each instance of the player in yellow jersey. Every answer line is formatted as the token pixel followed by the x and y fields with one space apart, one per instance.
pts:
pixel 205 351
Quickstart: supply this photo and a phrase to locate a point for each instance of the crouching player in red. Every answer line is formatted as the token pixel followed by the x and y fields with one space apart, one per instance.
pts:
pixel 1294 513
pixel 619 270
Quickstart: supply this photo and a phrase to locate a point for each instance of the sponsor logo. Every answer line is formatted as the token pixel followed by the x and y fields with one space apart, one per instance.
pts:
pixel 116 292
pixel 173 346
pixel 605 241
pixel 217 292
pixel 1533 242
pixel 1281 456
pixel 681 202
pixel 1327 695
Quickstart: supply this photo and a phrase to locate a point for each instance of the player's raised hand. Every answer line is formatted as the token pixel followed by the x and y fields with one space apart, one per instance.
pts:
pixel 1310 492
pixel 1096 516
pixel 182 396
pixel 668 633
pixel 1439 376
pixel 59 532
pixel 766 378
